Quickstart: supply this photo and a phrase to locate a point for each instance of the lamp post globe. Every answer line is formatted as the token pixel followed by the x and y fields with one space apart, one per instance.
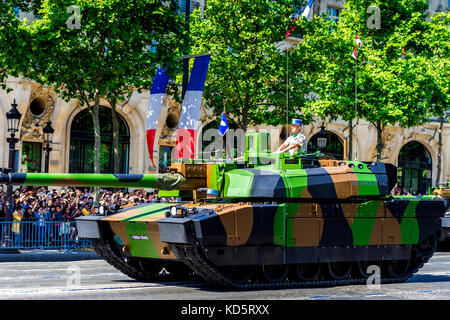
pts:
pixel 13 118
pixel 48 133
pixel 322 138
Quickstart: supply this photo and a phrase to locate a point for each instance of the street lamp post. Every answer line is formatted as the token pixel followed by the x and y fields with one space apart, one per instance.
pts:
pixel 48 139
pixel 13 118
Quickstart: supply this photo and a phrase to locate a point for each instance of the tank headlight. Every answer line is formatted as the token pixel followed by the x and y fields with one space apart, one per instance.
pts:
pixel 177 212
pixel 180 212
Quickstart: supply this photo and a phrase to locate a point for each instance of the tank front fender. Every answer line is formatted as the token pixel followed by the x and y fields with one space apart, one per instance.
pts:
pixel 177 230
pixel 89 227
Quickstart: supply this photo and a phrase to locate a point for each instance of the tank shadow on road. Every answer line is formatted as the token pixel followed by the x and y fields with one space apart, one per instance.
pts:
pixel 204 286
pixel 428 278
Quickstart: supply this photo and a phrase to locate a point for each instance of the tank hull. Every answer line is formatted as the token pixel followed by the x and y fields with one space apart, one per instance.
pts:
pixel 257 236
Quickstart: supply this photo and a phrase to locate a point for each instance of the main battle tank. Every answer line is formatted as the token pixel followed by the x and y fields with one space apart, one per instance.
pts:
pixel 278 221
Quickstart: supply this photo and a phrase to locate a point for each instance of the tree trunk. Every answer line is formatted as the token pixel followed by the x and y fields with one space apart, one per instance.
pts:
pixel 379 140
pixel 97 138
pixel 245 113
pixel 350 140
pixel 115 127
pixel 97 144
pixel 439 156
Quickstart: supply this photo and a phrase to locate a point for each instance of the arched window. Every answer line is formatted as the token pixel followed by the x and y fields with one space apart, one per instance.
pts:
pixel 212 142
pixel 82 143
pixel 414 168
pixel 334 146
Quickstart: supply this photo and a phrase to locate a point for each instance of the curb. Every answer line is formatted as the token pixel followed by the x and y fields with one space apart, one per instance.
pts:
pixel 48 255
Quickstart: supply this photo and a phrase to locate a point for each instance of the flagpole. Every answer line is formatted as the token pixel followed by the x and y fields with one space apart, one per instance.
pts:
pixel 356 96
pixel 356 88
pixel 224 138
pixel 355 56
pixel 226 147
pixel 287 86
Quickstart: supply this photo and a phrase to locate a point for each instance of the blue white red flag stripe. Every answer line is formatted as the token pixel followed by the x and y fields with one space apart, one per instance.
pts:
pixel 157 94
pixel 190 109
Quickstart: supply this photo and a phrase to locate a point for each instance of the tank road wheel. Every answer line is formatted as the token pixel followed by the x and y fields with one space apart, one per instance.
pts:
pixel 239 274
pixel 396 268
pixel 307 271
pixel 339 270
pixel 274 273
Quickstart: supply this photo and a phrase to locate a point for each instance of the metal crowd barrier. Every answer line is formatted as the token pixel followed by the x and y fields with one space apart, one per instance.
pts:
pixel 41 235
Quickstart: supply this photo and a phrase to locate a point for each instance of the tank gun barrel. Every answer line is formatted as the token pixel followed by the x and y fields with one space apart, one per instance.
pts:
pixel 165 181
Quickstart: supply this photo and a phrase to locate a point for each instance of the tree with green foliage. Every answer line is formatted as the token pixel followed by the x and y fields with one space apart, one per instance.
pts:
pixel 390 85
pixel 435 59
pixel 89 49
pixel 247 72
pixel 328 70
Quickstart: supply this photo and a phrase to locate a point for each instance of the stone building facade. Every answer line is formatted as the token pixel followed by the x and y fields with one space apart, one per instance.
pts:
pixel 39 104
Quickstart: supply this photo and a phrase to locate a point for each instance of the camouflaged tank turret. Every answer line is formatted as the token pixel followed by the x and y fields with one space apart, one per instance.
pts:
pixel 275 220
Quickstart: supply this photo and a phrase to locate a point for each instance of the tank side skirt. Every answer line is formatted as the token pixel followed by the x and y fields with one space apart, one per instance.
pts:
pixel 194 257
pixel 270 255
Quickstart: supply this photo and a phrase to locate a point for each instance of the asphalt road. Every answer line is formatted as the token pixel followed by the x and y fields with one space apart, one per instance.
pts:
pixel 46 277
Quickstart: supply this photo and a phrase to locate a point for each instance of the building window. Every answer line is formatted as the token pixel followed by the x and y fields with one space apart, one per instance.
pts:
pixel 212 143
pixel 333 14
pixel 195 4
pixel 414 169
pixel 334 146
pixel 81 158
pixel 31 156
pixel 165 158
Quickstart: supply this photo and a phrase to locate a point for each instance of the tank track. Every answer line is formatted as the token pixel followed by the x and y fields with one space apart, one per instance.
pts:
pixel 194 257
pixel 130 266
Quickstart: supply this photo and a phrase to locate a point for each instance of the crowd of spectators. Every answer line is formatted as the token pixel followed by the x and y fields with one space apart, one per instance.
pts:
pixel 399 191
pixel 65 205
pixel 40 204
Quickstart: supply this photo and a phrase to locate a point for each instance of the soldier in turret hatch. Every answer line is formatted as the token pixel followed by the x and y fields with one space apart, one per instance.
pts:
pixel 296 142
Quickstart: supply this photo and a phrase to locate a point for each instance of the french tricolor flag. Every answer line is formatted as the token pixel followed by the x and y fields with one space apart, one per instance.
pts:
pixel 190 110
pixel 157 94
pixel 358 43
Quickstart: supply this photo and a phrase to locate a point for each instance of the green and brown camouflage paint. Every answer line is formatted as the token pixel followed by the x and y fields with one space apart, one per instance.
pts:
pixel 403 221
